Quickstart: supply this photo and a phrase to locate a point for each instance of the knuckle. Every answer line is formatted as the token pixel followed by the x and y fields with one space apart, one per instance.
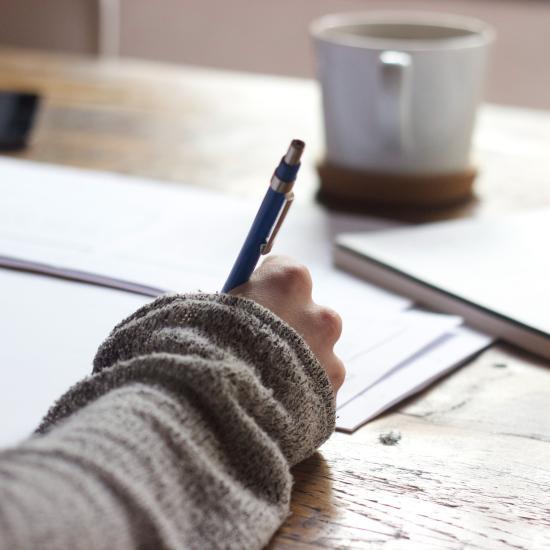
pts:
pixel 294 278
pixel 336 373
pixel 330 323
pixel 339 375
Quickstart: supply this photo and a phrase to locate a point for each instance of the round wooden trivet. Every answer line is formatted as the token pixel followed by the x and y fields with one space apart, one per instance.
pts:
pixel 341 186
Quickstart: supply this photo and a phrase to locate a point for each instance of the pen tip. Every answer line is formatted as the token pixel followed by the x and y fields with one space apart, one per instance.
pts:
pixel 294 152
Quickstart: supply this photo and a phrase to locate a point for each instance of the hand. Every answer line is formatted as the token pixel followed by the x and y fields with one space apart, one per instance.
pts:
pixel 284 286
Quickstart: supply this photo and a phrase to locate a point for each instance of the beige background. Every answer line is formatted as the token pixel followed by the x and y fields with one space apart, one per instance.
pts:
pixel 271 36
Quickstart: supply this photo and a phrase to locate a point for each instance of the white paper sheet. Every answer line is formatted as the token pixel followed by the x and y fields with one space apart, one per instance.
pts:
pixel 154 233
pixel 415 330
pixel 411 377
pixel 50 331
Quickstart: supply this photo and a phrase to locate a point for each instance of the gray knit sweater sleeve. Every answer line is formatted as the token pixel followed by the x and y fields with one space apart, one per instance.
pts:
pixel 182 438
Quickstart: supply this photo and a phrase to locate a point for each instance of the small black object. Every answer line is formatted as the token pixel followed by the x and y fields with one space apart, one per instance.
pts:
pixel 17 113
pixel 389 438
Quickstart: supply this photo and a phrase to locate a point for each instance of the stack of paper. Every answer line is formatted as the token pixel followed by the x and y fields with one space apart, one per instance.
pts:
pixel 390 349
pixel 148 238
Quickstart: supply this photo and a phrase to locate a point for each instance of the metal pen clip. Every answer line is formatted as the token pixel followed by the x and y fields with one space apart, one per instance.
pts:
pixel 268 245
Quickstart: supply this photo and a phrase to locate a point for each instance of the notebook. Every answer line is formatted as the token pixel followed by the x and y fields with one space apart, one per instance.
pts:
pixel 494 273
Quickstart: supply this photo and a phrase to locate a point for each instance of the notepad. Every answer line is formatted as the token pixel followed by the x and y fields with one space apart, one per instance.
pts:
pixel 494 272
pixel 147 237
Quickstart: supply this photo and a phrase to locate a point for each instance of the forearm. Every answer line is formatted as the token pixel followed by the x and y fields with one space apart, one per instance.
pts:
pixel 183 438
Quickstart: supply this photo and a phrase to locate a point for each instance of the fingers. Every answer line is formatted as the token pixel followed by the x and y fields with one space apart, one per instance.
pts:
pixel 284 286
pixel 287 276
pixel 327 323
pixel 326 327
pixel 335 370
pixel 320 326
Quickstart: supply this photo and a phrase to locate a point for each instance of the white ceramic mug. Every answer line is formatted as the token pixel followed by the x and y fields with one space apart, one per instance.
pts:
pixel 400 90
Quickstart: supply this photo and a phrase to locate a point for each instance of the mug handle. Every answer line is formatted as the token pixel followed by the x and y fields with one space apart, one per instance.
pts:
pixel 394 104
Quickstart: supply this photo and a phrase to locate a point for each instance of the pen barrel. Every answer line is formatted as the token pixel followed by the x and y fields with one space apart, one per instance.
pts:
pixel 257 236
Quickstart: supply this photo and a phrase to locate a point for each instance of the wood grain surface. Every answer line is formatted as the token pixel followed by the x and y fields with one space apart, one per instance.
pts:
pixel 472 467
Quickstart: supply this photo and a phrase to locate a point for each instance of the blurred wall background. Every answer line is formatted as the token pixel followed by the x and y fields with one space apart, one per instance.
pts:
pixel 268 36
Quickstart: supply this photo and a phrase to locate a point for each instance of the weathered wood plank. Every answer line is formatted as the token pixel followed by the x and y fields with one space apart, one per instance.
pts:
pixel 471 469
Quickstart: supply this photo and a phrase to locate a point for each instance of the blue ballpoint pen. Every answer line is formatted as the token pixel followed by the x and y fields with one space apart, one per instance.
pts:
pixel 269 218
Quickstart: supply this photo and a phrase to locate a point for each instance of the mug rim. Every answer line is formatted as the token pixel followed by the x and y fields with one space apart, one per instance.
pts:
pixel 479 32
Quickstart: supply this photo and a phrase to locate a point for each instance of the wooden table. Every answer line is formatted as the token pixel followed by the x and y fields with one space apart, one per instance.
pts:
pixel 472 468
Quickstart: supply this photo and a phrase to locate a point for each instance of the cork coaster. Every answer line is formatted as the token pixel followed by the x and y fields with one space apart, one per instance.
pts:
pixel 363 190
